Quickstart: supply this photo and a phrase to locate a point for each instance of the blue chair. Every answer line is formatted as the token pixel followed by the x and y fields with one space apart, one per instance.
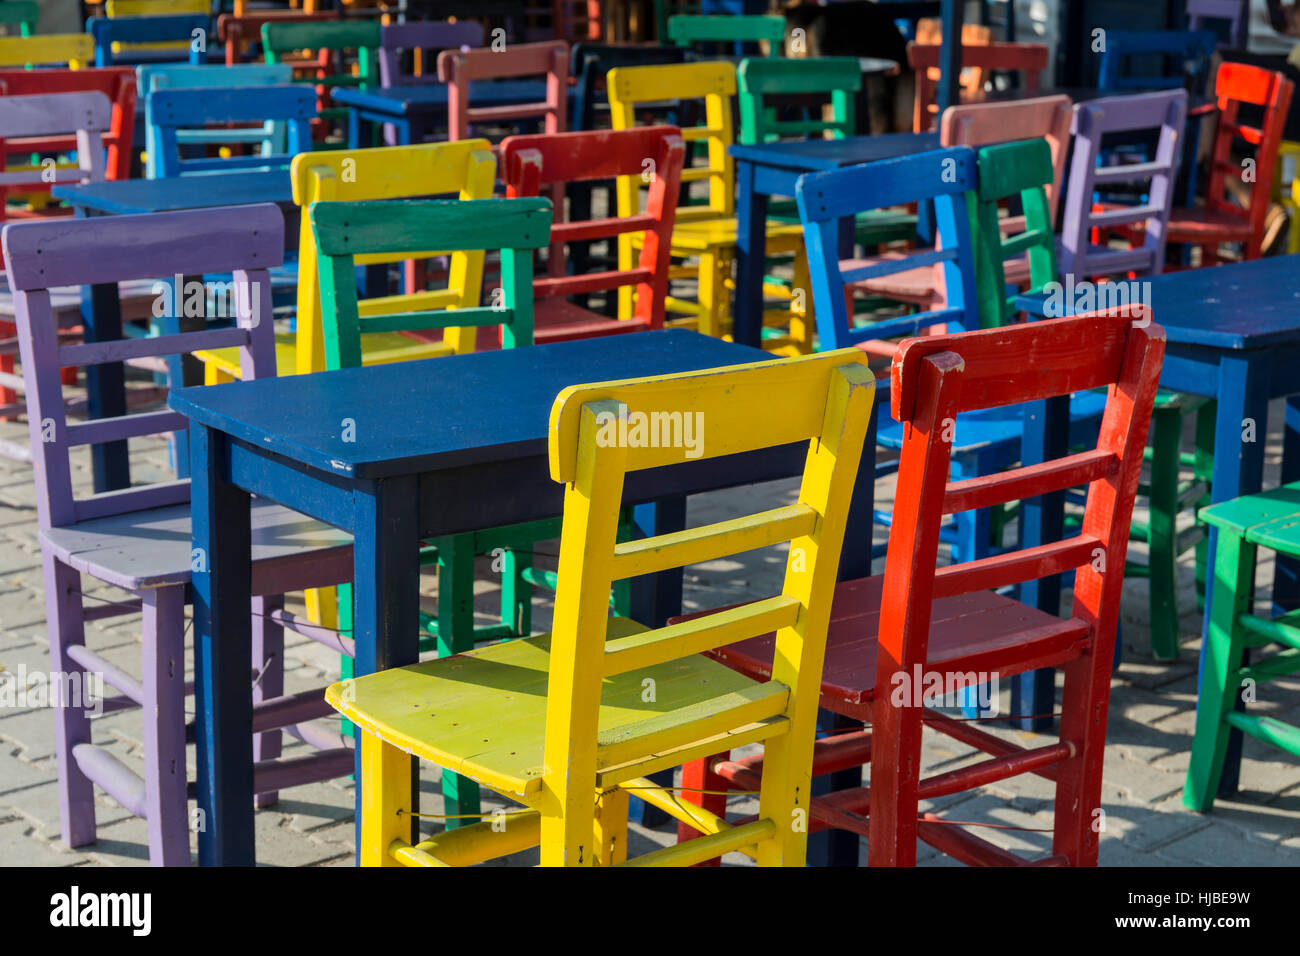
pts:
pixel 193 29
pixel 271 138
pixel 171 112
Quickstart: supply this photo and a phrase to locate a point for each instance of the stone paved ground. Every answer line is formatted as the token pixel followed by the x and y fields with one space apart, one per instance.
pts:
pixel 1152 712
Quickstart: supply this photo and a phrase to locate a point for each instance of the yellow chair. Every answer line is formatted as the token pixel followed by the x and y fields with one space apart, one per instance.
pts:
pixel 466 168
pixel 570 722
pixel 154 8
pixel 707 233
pixel 1286 190
pixel 73 50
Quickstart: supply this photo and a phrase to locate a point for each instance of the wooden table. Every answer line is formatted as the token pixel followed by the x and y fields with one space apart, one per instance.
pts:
pixel 442 446
pixel 771 169
pixel 418 109
pixel 101 308
pixel 1233 335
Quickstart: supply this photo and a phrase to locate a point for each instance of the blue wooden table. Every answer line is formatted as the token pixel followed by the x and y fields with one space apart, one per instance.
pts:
pixel 1233 334
pixel 420 109
pixel 442 446
pixel 771 169
pixel 101 311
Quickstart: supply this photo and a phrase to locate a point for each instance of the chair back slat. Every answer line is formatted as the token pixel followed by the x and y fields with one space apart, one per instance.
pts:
pixel 72 50
pixel 172 113
pixel 1233 11
pixel 1190 52
pixel 40 256
pixel 421 39
pixel 1093 121
pixel 946 176
pixel 710 32
pixel 116 37
pixel 459 68
pixel 762 80
pixel 1027 59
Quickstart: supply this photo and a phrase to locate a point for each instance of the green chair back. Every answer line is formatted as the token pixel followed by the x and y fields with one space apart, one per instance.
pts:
pixel 762 78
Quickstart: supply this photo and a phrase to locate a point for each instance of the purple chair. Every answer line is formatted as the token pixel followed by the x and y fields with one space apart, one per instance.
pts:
pixel 430 37
pixel 1234 11
pixel 1080 257
pixel 138 539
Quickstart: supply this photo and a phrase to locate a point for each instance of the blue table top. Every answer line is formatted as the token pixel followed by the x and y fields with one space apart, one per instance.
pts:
pixel 427 415
pixel 128 196
pixel 817 154
pixel 432 97
pixel 1244 305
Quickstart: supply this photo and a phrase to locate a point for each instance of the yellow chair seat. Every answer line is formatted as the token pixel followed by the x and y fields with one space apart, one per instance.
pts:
pixel 705 234
pixel 378 348
pixel 482 714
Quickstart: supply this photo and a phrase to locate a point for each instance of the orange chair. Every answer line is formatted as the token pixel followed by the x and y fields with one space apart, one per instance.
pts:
pixel 1027 59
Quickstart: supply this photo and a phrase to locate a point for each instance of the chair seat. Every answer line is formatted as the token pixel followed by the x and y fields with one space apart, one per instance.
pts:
pixel 982 631
pixel 151 548
pixel 559 320
pixel 377 348
pixel 913 285
pixel 1270 518
pixel 1207 225
pixel 705 234
pixel 482 714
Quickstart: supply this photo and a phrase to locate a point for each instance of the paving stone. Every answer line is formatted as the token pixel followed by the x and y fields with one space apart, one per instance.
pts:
pixel 1221 845
pixel 21 845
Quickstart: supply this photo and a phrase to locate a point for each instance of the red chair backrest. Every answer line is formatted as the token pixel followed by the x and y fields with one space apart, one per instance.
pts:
pixel 457 68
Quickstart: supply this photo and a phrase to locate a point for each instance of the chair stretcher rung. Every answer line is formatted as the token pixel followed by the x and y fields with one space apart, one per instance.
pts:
pixel 463 846
pixel 1282 630
pixel 1280 665
pixel 1268 729
pixel 113 675
pixel 112 776
pixel 707 847
pixel 448 319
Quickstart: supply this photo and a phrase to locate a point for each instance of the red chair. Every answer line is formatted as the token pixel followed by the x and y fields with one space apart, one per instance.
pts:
pixel 534 163
pixel 458 68
pixel 1221 220
pixel 1027 59
pixel 238 31
pixel 890 635
pixel 115 82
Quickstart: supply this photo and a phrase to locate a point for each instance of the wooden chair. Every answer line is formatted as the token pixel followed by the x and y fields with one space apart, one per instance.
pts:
pixel 133 40
pixel 71 50
pixel 890 635
pixel 929 32
pixel 240 31
pixel 268 140
pixel 1183 56
pixel 561 723
pixel 589 65
pixel 1233 11
pixel 705 233
pixel 1221 220
pixel 53 118
pixel 172 50
pixel 1026 59
pixel 170 112
pixel 534 163
pixel 337 47
pixel 1245 524
pixel 459 68
pixel 139 539
pixel 20 13
pixel 717 33
pixel 421 39
pixel 568 20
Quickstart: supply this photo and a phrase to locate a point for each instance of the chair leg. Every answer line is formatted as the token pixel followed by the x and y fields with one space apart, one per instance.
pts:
pixel 71 724
pixel 516 593
pixel 802 323
pixel 698 776
pixel 712 290
pixel 460 795
pixel 1203 470
pixel 386 776
pixel 1084 702
pixel 268 660
pixel 895 777
pixel 1162 538
pixel 164 725
pixel 7 395
pixel 1222 653
pixel 611 827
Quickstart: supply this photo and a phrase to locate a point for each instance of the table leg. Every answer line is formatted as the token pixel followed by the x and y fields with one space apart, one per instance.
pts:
pixel 1241 428
pixel 223 698
pixel 1286 574
pixel 101 319
pixel 386 593
pixel 751 256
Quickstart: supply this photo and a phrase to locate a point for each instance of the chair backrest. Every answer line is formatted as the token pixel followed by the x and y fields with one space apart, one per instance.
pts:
pixel 1233 11
pixel 1239 84
pixel 1021 171
pixel 713 31
pixel 929 32
pixel 760 81
pixel 157 8
pixel 531 163
pixel 568 20
pixel 466 168
pixel 984 124
pixel 184 36
pixel 1093 120
pixel 85 116
pixel 40 256
pixel 117 83
pixel 460 68
pixel 169 111
pixel 589 63
pixel 72 50
pixel 187 76
pixel 344 230
pixel 1184 57
pixel 20 13
pixel 715 84
pixel 947 176
pixel 823 401
pixel 1027 59
pixel 934 379
pixel 421 39
pixel 238 31
pixel 326 38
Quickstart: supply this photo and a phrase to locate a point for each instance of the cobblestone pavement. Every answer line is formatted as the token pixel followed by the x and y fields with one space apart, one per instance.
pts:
pixel 1152 713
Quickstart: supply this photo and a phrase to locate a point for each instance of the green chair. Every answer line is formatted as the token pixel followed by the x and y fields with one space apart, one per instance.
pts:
pixel 359 38
pixel 1270 520
pixel 693 32
pixel 24 13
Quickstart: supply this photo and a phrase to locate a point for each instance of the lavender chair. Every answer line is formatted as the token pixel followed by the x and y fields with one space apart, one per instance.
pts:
pixel 138 539
pixel 429 37
pixel 1234 11
pixel 1093 120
